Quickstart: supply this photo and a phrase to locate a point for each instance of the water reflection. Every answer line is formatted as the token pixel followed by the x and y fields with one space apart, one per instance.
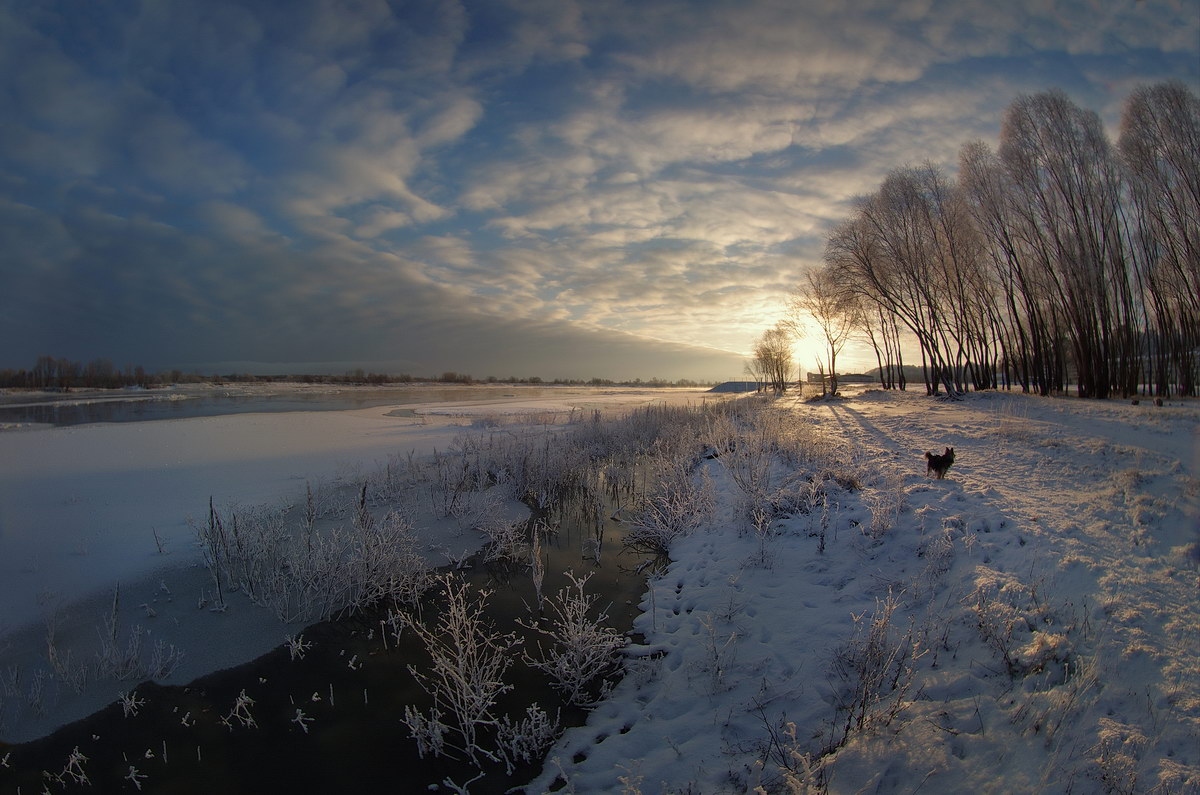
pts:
pixel 141 406
pixel 332 721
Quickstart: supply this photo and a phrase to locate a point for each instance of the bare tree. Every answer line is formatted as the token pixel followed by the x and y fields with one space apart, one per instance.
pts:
pixel 897 253
pixel 1160 139
pixel 1048 260
pixel 1067 188
pixel 851 251
pixel 773 357
pixel 883 332
pixel 1027 317
pixel 753 369
pixel 834 308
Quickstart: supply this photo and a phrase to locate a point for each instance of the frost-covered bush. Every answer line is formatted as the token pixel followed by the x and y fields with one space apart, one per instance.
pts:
pixel 876 669
pixel 1016 623
pixel 309 575
pixel 581 648
pixel 524 741
pixel 886 501
pixel 506 539
pixel 468 659
pixel 531 465
pixel 676 504
pixel 454 476
pixel 802 772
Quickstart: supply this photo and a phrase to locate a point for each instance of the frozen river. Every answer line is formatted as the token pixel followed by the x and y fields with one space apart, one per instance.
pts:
pixel 83 506
pixel 177 403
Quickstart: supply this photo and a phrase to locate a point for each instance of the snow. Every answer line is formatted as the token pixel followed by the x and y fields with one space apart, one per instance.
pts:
pixel 79 505
pixel 1030 623
pixel 88 509
pixel 1044 601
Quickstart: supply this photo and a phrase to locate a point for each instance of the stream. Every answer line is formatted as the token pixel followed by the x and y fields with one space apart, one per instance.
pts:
pixel 332 721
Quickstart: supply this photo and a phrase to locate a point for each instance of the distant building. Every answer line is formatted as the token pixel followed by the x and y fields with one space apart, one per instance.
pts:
pixel 736 386
pixel 844 378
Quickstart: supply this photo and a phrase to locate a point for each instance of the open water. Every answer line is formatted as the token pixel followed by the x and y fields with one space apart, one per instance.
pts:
pixel 140 405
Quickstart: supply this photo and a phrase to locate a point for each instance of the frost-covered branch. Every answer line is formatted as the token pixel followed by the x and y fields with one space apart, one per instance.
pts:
pixel 581 647
pixel 468 661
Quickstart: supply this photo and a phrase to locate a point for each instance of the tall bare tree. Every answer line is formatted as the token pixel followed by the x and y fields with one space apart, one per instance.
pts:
pixel 836 310
pixel 1067 187
pixel 1049 260
pixel 1028 320
pixel 773 357
pixel 1160 152
pixel 900 251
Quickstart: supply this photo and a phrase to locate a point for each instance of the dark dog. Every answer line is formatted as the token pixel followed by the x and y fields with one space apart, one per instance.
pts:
pixel 938 464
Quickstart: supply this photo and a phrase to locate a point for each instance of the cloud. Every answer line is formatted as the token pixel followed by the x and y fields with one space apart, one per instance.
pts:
pixel 775 47
pixel 208 297
pixel 510 36
pixel 233 221
pixel 169 153
pixel 442 182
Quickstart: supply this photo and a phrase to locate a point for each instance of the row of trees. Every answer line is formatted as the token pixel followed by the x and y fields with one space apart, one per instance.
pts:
pixel 1057 258
pixel 771 366
pixel 50 372
pixel 56 373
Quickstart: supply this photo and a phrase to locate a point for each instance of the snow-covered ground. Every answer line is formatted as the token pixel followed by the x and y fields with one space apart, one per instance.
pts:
pixel 88 510
pixel 841 620
pixel 1029 624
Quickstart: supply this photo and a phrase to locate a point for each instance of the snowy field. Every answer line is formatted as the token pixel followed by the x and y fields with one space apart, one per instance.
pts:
pixel 838 621
pixel 1029 624
pixel 87 509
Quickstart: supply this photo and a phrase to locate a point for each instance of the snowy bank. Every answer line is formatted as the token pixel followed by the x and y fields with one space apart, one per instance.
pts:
pixel 90 512
pixel 845 623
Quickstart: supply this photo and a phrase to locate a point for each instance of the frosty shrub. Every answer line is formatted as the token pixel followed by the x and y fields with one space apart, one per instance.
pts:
pixel 801 772
pixel 524 741
pixel 214 546
pixel 453 477
pixel 1012 420
pixel 240 713
pixel 72 772
pixel 537 564
pixel 886 501
pixel 876 669
pixel 751 459
pixel 506 539
pixel 468 660
pixel 385 564
pixel 720 653
pixel 164 659
pixel 676 504
pixel 119 658
pixel 1010 618
pixel 581 648
pixel 535 466
pixel 1118 755
pixel 67 670
pixel 750 465
pixel 764 451
pixel 314 575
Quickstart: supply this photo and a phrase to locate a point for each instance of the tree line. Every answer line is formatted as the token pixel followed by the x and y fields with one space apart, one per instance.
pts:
pixel 52 372
pixel 1057 259
pixel 61 374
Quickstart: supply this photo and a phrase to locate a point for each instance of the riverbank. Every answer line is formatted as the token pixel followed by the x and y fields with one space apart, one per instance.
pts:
pixel 90 508
pixel 834 618
pixel 844 622
pixel 30 409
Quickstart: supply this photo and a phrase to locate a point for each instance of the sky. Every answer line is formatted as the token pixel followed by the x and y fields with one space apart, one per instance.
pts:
pixel 513 187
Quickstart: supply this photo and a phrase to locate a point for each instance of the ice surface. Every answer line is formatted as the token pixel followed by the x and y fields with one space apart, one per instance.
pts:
pixel 1046 590
pixel 87 509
